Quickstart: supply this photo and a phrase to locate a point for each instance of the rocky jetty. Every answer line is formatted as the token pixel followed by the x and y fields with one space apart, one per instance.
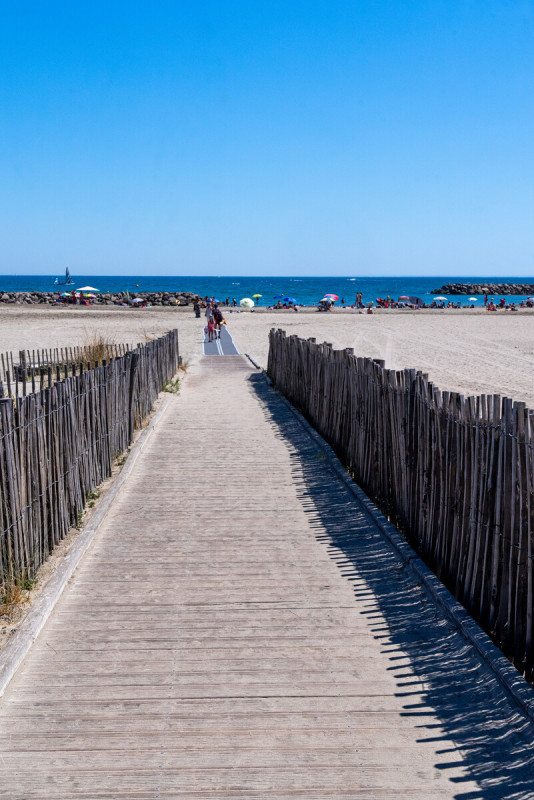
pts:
pixel 101 299
pixel 485 288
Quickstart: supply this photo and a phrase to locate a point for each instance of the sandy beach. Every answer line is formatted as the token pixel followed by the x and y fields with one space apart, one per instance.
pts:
pixel 468 350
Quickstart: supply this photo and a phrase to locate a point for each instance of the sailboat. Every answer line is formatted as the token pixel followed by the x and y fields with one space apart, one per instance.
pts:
pixel 67 282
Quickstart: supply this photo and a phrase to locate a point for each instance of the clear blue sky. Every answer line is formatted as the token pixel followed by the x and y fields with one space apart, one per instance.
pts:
pixel 191 137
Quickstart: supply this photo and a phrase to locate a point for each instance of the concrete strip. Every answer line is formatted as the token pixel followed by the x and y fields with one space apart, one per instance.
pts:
pixel 516 686
pixel 15 651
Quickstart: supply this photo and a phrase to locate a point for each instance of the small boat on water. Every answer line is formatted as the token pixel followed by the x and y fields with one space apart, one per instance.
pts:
pixel 67 282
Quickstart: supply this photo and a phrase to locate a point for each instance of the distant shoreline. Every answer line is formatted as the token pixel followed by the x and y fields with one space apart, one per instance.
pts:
pixel 305 291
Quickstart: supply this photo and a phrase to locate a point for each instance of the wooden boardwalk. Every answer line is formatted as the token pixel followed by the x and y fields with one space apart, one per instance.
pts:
pixel 240 629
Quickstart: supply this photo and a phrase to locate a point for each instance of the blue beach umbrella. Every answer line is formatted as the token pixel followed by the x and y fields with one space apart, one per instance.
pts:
pixel 279 297
pixel 289 300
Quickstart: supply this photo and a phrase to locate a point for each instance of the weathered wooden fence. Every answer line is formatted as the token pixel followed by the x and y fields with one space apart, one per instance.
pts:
pixel 58 444
pixel 29 370
pixel 455 473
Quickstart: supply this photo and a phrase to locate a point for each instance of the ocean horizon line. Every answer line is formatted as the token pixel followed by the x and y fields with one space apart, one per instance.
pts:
pixel 451 278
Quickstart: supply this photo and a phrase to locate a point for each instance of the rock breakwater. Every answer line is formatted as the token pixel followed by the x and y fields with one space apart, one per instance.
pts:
pixel 102 299
pixel 485 288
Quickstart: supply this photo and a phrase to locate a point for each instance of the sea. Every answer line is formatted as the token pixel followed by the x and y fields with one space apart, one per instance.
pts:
pixel 305 291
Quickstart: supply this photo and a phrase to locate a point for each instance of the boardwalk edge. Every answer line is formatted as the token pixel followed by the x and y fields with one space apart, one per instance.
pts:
pixel 18 646
pixel 518 689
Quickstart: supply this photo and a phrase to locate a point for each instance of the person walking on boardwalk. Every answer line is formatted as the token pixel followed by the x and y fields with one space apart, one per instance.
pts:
pixel 211 328
pixel 218 318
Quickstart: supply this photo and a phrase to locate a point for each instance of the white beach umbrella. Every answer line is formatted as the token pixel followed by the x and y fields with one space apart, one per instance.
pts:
pixel 473 299
pixel 440 298
pixel 246 302
pixel 88 289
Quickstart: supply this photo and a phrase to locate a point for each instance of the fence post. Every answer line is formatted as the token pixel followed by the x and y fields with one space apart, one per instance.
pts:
pixel 23 370
pixel 134 361
pixel 9 490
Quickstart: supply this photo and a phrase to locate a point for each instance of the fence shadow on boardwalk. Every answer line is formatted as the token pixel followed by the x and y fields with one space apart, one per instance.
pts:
pixel 492 738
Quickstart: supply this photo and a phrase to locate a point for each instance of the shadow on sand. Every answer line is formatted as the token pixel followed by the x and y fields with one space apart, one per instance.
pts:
pixel 494 741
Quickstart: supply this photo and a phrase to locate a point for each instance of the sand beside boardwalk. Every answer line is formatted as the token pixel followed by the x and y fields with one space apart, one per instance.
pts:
pixel 470 351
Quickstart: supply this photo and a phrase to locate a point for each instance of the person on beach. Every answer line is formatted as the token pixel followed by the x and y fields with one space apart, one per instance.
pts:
pixel 211 328
pixel 218 319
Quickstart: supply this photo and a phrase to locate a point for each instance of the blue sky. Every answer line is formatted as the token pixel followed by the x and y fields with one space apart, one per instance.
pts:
pixel 352 138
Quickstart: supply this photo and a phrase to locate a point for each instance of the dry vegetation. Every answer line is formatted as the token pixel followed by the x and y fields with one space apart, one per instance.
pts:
pixel 96 347
pixel 14 591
